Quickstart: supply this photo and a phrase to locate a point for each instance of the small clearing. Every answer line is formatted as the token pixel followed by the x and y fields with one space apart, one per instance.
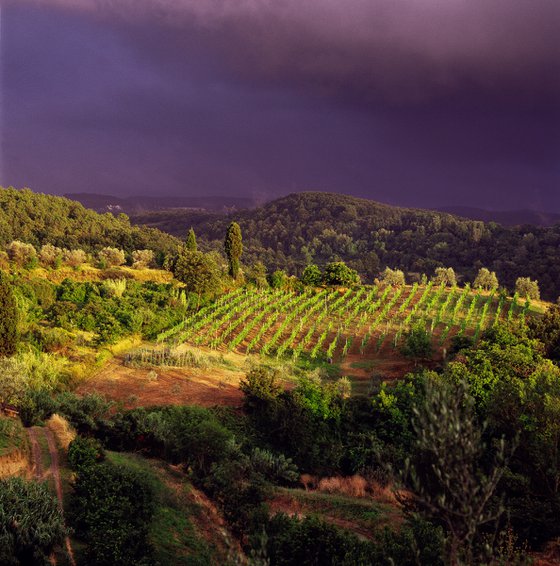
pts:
pixel 136 387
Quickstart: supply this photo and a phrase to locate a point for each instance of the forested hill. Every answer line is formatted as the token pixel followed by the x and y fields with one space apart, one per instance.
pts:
pixel 39 219
pixel 317 227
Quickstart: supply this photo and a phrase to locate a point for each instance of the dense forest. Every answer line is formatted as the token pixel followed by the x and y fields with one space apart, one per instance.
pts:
pixel 304 228
pixel 38 219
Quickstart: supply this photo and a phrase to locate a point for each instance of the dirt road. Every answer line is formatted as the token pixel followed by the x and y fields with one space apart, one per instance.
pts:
pixel 35 433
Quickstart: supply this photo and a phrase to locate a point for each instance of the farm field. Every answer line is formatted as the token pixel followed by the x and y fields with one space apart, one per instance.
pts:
pixel 335 325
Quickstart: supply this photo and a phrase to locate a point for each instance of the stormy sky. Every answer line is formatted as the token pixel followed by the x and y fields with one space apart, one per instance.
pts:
pixel 413 102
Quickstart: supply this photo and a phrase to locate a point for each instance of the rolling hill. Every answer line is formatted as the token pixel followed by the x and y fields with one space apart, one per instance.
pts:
pixel 302 228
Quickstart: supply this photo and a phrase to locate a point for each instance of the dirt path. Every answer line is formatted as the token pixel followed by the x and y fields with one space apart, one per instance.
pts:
pixel 36 456
pixel 54 471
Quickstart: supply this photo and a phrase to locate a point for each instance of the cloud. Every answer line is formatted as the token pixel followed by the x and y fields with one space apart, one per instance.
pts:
pixel 401 50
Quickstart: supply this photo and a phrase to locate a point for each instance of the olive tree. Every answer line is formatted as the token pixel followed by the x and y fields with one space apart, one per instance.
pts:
pixel 527 289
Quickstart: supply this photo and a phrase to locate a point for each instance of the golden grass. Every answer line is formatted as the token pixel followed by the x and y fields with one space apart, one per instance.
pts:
pixel 62 429
pixel 352 486
pixel 88 272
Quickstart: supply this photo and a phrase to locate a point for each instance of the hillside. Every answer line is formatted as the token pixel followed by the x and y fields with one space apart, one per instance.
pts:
pixel 505 217
pixel 39 219
pixel 293 231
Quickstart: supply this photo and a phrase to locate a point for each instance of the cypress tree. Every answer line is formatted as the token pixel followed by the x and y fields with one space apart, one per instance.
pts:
pixel 8 318
pixel 190 242
pixel 233 246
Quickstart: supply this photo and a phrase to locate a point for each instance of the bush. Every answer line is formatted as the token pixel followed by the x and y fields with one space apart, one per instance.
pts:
pixel 141 259
pixel 111 257
pixel 278 279
pixel 393 277
pixel 50 255
pixel 312 276
pixel 22 254
pixel 338 273
pixel 527 289
pixel 446 276
pixel 83 453
pixel 486 280
pixel 111 508
pixel 74 258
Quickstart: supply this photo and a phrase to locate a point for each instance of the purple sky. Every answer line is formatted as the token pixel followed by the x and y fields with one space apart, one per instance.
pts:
pixel 413 102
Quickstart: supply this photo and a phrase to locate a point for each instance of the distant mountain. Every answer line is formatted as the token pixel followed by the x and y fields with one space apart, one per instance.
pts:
pixel 313 227
pixel 505 217
pixel 139 204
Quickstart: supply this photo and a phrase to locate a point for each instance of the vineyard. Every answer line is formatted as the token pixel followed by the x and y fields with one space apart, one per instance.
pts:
pixel 330 324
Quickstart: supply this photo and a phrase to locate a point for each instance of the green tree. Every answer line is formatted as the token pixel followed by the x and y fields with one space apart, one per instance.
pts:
pixel 338 273
pixel 31 523
pixel 8 317
pixel 278 279
pixel 257 275
pixel 547 330
pixel 527 289
pixel 14 380
pixel 190 242
pixel 417 344
pixel 449 479
pixel 233 246
pixel 445 275
pixel 198 271
pixel 486 279
pixel 393 277
pixel 312 275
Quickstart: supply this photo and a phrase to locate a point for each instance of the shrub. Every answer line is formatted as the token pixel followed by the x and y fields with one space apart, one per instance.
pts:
pixel 13 382
pixel 312 276
pixel 486 279
pixel 74 258
pixel 50 255
pixel 111 508
pixel 114 287
pixel 62 429
pixel 417 343
pixel 445 275
pixel 393 277
pixel 527 289
pixel 111 257
pixel 338 273
pixel 141 259
pixel 8 318
pixel 22 254
pixel 83 453
pixel 278 279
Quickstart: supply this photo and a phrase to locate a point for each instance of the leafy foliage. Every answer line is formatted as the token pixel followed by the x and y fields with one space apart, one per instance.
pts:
pixel 8 317
pixel 233 246
pixel 31 523
pixel 111 508
pixel 198 271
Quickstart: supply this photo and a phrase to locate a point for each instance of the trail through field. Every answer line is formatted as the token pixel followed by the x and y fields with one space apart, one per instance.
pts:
pixel 36 455
pixel 34 434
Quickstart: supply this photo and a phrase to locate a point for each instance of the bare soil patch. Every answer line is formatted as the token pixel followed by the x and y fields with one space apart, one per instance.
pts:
pixel 135 387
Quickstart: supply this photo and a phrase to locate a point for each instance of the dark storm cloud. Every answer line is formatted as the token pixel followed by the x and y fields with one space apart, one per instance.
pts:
pixel 401 49
pixel 417 102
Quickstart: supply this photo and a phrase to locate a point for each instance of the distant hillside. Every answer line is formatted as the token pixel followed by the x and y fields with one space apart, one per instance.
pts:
pixel 505 217
pixel 38 219
pixel 293 231
pixel 140 204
